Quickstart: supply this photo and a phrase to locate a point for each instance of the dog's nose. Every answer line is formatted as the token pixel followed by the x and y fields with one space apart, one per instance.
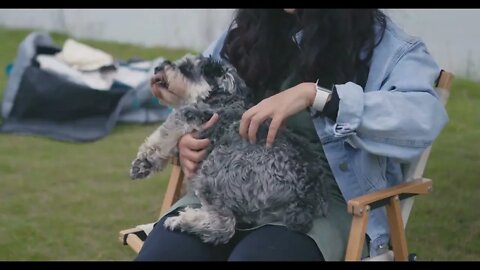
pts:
pixel 162 66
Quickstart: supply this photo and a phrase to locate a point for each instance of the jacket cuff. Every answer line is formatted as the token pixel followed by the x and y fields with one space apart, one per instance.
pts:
pixel 331 107
pixel 350 109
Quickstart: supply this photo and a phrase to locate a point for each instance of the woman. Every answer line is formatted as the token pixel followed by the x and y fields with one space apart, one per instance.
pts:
pixel 351 81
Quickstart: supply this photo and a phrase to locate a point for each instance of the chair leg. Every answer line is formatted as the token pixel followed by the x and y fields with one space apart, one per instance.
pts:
pixel 356 239
pixel 397 231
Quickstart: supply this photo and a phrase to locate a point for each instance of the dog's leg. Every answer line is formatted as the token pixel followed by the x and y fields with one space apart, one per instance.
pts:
pixel 211 226
pixel 196 114
pixel 161 145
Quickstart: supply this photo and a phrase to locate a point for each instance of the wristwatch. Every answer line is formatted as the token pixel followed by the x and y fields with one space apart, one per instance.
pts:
pixel 321 97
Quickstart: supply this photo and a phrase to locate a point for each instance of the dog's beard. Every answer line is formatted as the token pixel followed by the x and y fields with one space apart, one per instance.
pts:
pixel 168 97
pixel 193 93
pixel 176 88
pixel 172 88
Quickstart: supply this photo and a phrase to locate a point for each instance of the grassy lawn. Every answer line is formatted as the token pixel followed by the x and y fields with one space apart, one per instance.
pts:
pixel 63 201
pixel 445 225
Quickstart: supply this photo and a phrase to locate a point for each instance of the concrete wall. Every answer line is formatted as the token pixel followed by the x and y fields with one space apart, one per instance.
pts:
pixel 452 35
pixel 192 28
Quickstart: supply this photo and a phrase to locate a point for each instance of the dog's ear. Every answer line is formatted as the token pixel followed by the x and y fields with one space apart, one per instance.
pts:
pixel 212 68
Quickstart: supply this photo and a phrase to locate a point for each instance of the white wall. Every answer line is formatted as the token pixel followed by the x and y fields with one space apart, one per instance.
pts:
pixel 190 28
pixel 452 35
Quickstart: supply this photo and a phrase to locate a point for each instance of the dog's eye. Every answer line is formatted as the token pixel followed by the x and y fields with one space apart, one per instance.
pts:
pixel 213 68
pixel 187 65
pixel 187 69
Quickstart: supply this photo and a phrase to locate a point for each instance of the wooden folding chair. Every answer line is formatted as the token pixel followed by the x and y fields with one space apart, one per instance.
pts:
pixel 398 201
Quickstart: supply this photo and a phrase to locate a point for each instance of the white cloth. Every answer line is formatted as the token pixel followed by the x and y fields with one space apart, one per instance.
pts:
pixel 94 79
pixel 83 57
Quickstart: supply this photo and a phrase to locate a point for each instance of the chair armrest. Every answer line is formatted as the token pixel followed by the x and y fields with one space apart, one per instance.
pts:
pixel 124 234
pixel 390 197
pixel 358 205
pixel 133 237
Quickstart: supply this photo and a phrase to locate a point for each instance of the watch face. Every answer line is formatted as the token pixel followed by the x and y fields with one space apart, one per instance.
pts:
pixel 320 88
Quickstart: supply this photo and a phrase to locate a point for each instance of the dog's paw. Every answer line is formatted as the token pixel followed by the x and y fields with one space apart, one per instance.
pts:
pixel 172 223
pixel 141 168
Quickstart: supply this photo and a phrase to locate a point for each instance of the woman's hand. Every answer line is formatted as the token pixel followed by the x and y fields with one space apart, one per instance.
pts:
pixel 277 107
pixel 192 151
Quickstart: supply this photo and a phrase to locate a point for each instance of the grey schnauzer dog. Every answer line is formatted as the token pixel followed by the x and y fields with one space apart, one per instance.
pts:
pixel 238 183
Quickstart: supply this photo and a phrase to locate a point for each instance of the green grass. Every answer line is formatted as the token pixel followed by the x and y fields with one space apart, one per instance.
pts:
pixel 63 201
pixel 445 225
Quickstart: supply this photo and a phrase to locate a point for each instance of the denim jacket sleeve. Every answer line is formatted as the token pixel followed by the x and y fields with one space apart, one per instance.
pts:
pixel 403 117
pixel 215 47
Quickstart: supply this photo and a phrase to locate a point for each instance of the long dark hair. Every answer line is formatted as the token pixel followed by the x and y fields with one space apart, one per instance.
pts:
pixel 260 45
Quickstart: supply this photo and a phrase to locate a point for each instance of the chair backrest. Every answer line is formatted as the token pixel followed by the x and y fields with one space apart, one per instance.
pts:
pixel 417 168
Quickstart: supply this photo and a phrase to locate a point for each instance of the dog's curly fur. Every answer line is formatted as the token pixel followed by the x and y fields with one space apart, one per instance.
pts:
pixel 238 182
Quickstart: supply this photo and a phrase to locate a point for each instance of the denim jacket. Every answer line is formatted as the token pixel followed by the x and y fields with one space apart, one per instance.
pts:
pixel 382 127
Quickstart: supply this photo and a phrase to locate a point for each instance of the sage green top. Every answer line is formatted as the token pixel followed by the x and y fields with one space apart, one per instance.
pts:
pixel 330 232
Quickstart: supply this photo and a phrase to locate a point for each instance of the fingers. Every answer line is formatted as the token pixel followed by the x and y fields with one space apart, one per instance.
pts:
pixel 192 151
pixel 245 121
pixel 195 156
pixel 188 168
pixel 213 120
pixel 199 144
pixel 256 121
pixel 189 142
pixel 273 129
pixel 190 160
pixel 252 119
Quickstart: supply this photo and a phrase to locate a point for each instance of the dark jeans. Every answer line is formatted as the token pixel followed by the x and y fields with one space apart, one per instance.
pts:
pixel 267 243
